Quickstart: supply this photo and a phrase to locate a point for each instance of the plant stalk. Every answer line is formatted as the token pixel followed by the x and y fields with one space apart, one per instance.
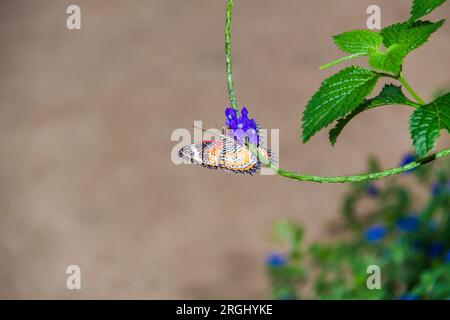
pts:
pixel 231 92
pixel 410 89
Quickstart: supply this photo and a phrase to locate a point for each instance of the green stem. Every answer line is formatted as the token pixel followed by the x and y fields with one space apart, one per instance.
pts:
pixel 231 92
pixel 410 90
pixel 333 63
pixel 303 177
pixel 407 86
pixel 344 179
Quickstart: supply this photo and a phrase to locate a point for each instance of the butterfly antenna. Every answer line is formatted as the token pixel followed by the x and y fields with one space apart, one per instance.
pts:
pixel 223 128
pixel 203 130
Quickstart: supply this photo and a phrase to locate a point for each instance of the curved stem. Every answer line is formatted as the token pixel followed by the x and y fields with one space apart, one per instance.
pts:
pixel 231 92
pixel 302 177
pixel 410 89
pixel 344 179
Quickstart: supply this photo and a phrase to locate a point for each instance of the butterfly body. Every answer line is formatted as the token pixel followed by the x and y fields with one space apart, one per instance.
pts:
pixel 223 154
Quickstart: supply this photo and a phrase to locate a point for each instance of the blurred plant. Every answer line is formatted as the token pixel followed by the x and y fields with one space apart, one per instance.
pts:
pixel 284 270
pixel 411 246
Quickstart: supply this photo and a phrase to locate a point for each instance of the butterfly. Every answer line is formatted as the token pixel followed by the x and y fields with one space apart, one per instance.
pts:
pixel 224 154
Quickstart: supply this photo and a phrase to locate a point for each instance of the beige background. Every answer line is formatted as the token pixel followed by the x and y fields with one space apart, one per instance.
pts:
pixel 85 124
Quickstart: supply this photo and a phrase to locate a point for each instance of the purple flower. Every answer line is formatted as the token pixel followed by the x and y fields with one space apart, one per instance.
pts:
pixel 231 114
pixel 244 113
pixel 409 223
pixel 238 135
pixel 232 118
pixel 407 159
pixel 242 127
pixel 276 260
pixel 375 233
pixel 253 137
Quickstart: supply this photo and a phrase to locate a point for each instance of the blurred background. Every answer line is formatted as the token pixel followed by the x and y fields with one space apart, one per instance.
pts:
pixel 85 124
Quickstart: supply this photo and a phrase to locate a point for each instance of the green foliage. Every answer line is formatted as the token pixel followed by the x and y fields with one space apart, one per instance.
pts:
pixel 343 96
pixel 410 35
pixel 421 8
pixel 287 232
pixel 413 254
pixel 390 95
pixel 434 283
pixel 427 122
pixel 358 41
pixel 389 61
pixel 337 96
pixel 286 275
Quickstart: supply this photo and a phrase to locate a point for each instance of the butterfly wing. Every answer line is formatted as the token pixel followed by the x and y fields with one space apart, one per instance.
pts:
pixel 200 153
pixel 225 154
pixel 238 159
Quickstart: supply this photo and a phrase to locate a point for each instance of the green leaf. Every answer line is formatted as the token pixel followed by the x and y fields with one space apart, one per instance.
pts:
pixel 421 8
pixel 338 95
pixel 334 133
pixel 427 122
pixel 410 35
pixel 389 61
pixel 390 95
pixel 358 41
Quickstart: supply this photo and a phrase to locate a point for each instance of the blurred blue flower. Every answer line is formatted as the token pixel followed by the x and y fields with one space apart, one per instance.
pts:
pixel 242 126
pixel 447 256
pixel 409 296
pixel 436 189
pixel 375 233
pixel 407 159
pixel 372 189
pixel 276 260
pixel 409 223
pixel 435 249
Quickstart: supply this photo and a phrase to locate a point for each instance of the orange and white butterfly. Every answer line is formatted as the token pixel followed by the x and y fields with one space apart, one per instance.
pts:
pixel 224 154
